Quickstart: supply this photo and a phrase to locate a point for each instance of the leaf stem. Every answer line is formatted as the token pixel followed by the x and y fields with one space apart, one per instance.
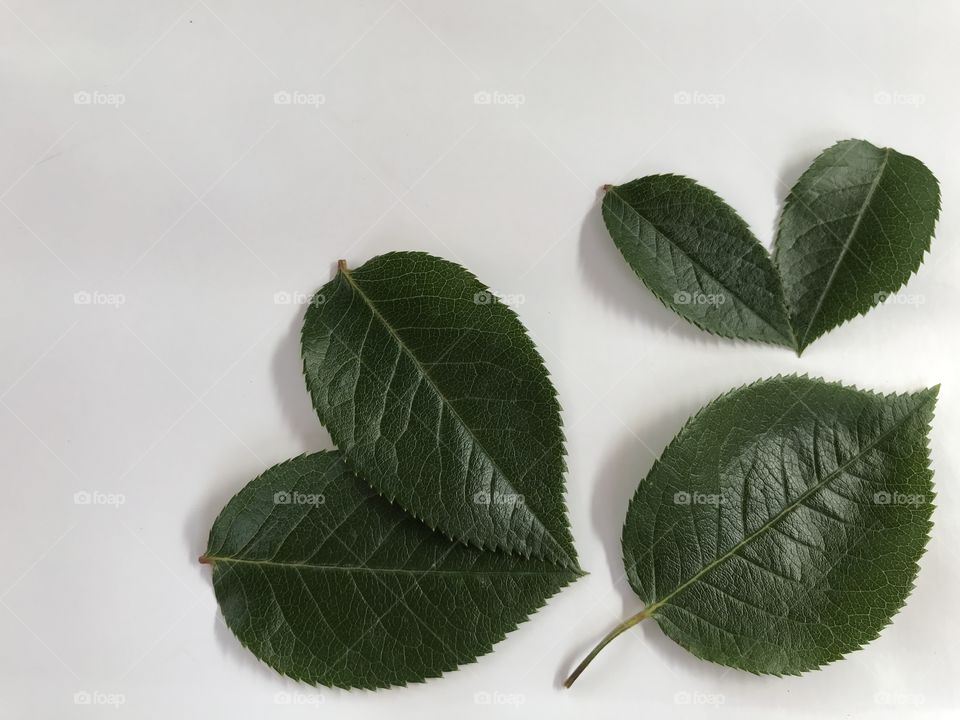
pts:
pixel 204 560
pixel 622 627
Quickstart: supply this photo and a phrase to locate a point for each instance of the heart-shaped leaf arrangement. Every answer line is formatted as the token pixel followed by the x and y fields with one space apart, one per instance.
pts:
pixel 782 527
pixel 854 229
pixel 440 525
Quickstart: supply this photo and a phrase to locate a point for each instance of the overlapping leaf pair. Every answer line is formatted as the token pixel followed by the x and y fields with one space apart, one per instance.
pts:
pixel 439 525
pixel 853 230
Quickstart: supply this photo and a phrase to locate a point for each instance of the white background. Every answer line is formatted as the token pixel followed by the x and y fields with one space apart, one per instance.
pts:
pixel 193 212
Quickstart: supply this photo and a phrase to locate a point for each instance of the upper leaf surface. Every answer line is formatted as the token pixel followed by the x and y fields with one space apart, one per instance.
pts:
pixel 438 398
pixel 782 527
pixel 698 256
pixel 853 229
pixel 329 583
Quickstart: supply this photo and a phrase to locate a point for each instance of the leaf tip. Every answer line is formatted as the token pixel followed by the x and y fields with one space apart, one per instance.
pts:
pixel 930 395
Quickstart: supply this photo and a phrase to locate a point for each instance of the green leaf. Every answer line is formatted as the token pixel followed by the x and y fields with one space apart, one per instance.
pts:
pixel 329 583
pixel 782 527
pixel 854 228
pixel 437 397
pixel 698 257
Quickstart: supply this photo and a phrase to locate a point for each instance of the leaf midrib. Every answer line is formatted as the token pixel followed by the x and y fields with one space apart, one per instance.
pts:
pixel 321 567
pixel 785 511
pixel 703 269
pixel 846 246
pixel 450 408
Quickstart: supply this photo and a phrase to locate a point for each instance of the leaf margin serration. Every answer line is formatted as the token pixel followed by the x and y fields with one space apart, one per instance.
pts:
pixel 526 553
pixel 932 392
pixel 923 257
pixel 790 342
pixel 565 576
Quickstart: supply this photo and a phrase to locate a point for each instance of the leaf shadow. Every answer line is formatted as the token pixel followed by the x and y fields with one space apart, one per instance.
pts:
pixel 196 529
pixel 614 284
pixel 232 649
pixel 295 403
pixel 788 176
pixel 287 370
pixel 616 481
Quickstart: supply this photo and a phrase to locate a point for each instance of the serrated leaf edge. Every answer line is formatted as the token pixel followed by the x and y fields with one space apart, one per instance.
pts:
pixel 376 686
pixel 923 257
pixel 933 391
pixel 565 577
pixel 524 552
pixel 790 341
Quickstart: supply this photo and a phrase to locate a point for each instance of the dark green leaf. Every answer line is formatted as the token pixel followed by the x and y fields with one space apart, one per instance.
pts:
pixel 854 229
pixel 329 583
pixel 698 257
pixel 782 527
pixel 437 397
